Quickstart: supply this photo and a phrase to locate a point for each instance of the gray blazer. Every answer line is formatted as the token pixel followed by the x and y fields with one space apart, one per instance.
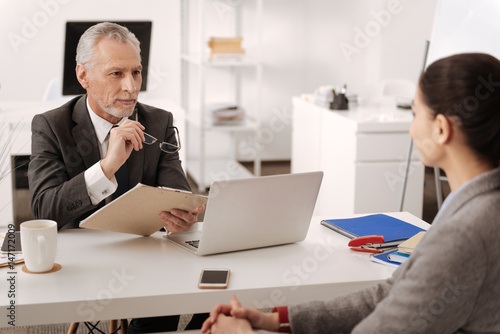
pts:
pixel 450 284
pixel 64 145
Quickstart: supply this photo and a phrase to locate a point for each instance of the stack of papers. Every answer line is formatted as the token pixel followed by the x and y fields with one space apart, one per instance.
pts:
pixel 323 96
pixel 395 233
pixel 394 230
pixel 9 259
pixel 401 254
pixel 226 114
pixel 408 246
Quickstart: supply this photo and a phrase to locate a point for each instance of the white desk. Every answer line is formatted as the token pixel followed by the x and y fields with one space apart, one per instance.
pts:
pixel 362 153
pixel 15 136
pixel 109 275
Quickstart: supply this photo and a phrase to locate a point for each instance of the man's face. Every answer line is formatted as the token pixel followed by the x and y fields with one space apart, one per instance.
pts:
pixel 113 80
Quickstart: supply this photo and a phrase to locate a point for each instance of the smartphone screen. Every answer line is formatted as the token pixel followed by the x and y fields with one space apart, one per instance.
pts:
pixel 214 279
pixel 12 242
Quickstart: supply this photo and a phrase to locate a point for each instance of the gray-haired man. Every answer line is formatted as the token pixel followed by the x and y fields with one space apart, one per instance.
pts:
pixel 78 148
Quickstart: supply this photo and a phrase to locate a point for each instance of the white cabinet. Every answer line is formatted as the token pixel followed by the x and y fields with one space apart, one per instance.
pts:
pixel 206 81
pixel 362 152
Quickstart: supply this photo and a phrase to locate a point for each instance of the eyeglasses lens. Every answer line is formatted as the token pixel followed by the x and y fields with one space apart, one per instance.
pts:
pixel 169 148
pixel 148 139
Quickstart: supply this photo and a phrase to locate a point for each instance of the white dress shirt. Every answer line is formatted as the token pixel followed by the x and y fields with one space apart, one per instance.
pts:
pixel 99 187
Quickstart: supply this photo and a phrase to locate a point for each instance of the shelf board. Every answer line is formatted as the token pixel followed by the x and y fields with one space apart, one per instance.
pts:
pixel 247 125
pixel 216 170
pixel 220 62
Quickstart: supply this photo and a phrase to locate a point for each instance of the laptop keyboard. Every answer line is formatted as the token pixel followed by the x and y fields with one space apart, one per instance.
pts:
pixel 193 243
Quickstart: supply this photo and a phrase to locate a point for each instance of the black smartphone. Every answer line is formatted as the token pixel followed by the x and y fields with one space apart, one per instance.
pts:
pixel 214 279
pixel 12 242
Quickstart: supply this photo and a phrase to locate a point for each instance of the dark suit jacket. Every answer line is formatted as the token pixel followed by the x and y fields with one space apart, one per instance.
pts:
pixel 64 145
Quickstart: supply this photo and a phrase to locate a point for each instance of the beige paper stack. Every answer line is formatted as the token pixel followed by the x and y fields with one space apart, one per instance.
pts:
pixel 222 47
pixel 409 245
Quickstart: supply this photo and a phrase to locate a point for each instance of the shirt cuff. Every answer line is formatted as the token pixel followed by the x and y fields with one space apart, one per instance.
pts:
pixel 98 185
pixel 283 319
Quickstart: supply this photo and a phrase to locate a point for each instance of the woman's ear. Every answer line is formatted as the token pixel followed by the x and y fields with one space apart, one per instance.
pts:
pixel 82 76
pixel 442 129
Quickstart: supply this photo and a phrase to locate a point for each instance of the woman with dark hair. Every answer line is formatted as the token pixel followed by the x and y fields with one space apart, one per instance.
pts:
pixel 451 283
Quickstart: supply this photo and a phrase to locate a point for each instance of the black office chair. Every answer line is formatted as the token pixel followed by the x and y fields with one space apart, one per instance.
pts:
pixel 439 190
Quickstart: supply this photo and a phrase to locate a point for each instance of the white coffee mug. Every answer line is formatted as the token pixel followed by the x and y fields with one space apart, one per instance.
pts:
pixel 39 244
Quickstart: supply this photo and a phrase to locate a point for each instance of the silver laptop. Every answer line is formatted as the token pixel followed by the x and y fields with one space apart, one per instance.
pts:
pixel 252 213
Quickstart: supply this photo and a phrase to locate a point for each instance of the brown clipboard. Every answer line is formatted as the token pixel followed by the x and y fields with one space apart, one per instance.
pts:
pixel 137 210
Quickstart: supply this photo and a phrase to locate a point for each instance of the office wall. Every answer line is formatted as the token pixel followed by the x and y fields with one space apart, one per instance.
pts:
pixel 310 43
pixel 361 42
pixel 302 48
pixel 32 41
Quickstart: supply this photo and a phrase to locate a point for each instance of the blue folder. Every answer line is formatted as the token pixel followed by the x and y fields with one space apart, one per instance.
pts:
pixel 383 258
pixel 394 230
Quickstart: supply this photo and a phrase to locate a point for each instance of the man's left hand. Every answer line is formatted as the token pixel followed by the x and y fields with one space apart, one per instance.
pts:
pixel 178 221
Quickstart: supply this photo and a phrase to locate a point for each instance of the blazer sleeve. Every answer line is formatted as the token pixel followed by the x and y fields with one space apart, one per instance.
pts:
pixel 170 172
pixel 339 315
pixel 54 195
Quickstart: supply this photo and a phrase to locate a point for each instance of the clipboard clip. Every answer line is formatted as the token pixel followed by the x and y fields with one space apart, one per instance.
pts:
pixel 367 243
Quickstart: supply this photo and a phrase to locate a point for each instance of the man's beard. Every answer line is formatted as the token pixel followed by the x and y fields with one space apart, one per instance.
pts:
pixel 114 111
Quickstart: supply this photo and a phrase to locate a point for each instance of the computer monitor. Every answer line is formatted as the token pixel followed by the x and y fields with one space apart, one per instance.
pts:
pixel 75 29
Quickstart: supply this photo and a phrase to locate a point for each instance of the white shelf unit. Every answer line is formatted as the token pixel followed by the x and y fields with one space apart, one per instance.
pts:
pixel 203 169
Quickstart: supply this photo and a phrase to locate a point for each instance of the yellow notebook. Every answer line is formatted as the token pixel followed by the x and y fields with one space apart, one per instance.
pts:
pixel 409 245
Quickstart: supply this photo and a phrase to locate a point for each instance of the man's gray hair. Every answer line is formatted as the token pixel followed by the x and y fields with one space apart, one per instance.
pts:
pixel 86 45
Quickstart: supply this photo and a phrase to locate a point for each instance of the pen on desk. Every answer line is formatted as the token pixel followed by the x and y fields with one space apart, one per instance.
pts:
pixel 11 263
pixel 388 250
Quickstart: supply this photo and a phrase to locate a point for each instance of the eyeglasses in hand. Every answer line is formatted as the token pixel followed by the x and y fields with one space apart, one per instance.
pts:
pixel 164 146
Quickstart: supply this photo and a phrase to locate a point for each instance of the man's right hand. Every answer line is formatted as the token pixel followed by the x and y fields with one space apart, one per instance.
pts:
pixel 122 140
